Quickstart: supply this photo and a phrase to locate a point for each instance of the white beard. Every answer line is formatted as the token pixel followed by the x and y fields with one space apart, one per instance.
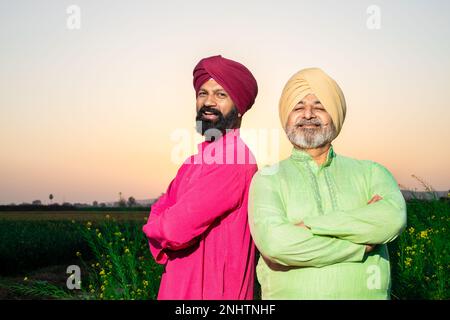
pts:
pixel 311 138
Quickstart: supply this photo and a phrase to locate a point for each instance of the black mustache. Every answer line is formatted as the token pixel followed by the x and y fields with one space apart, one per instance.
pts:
pixel 204 109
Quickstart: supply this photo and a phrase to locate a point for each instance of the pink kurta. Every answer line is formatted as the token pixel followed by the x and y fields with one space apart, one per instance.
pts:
pixel 199 228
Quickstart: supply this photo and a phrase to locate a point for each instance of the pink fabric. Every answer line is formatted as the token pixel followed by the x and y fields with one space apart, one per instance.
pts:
pixel 234 77
pixel 199 228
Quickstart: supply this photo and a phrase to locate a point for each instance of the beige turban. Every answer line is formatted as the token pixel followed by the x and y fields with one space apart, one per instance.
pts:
pixel 313 81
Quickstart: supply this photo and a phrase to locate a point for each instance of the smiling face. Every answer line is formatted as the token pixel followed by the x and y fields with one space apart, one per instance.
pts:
pixel 309 125
pixel 215 109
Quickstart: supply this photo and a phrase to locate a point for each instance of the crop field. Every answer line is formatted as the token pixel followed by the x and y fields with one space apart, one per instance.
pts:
pixel 112 254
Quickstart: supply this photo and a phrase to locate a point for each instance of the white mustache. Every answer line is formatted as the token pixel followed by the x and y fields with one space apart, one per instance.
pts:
pixel 309 122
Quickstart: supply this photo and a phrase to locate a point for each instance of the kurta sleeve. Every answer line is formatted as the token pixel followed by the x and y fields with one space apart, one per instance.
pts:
pixel 219 191
pixel 285 243
pixel 164 202
pixel 375 223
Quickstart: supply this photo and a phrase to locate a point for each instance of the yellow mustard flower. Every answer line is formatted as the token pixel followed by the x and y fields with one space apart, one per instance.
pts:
pixel 408 261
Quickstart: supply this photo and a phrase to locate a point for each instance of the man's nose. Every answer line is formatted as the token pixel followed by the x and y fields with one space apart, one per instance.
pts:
pixel 308 113
pixel 210 101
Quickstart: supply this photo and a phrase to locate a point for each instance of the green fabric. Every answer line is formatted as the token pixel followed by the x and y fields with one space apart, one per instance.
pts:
pixel 328 261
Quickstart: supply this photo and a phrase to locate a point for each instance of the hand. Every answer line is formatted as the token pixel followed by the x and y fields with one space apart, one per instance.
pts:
pixel 374 199
pixel 302 225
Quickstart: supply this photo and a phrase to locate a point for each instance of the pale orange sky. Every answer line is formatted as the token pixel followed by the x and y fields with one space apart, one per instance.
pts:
pixel 88 113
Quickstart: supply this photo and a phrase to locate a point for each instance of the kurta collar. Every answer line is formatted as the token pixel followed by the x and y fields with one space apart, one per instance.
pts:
pixel 303 156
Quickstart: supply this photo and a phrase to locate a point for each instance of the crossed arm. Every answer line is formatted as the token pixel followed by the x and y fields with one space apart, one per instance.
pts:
pixel 176 225
pixel 284 243
pixel 323 240
pixel 380 221
pixel 369 247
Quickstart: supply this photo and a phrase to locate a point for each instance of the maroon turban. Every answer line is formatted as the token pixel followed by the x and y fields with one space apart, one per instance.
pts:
pixel 235 78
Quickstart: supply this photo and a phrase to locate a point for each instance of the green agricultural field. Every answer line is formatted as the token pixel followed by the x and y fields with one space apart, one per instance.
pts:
pixel 72 215
pixel 115 262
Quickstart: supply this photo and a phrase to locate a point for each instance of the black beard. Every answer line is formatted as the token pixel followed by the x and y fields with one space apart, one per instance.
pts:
pixel 209 128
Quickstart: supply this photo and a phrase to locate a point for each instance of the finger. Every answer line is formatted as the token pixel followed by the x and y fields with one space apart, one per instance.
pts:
pixel 375 198
pixel 378 198
pixel 371 200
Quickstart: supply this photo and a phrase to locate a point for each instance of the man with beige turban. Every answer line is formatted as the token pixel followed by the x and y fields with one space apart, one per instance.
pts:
pixel 321 221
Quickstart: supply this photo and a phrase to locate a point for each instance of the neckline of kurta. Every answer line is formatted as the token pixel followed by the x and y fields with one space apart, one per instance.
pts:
pixel 302 156
pixel 304 160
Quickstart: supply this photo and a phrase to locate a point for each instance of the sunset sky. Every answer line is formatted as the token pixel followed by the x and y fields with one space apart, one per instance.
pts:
pixel 88 113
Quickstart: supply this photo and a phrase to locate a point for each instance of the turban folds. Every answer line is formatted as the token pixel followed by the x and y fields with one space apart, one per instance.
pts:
pixel 313 81
pixel 234 77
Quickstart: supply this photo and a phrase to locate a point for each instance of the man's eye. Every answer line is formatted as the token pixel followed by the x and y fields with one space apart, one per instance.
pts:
pixel 221 94
pixel 201 94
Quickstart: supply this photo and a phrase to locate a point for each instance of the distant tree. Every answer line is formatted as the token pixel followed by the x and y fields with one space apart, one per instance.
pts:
pixel 122 202
pixel 79 204
pixel 50 197
pixel 66 204
pixel 36 203
pixel 95 204
pixel 131 201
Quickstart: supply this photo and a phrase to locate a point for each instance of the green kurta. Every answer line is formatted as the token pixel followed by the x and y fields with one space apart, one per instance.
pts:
pixel 328 261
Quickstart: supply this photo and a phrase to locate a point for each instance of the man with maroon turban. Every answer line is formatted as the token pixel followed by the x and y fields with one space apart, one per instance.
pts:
pixel 199 228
